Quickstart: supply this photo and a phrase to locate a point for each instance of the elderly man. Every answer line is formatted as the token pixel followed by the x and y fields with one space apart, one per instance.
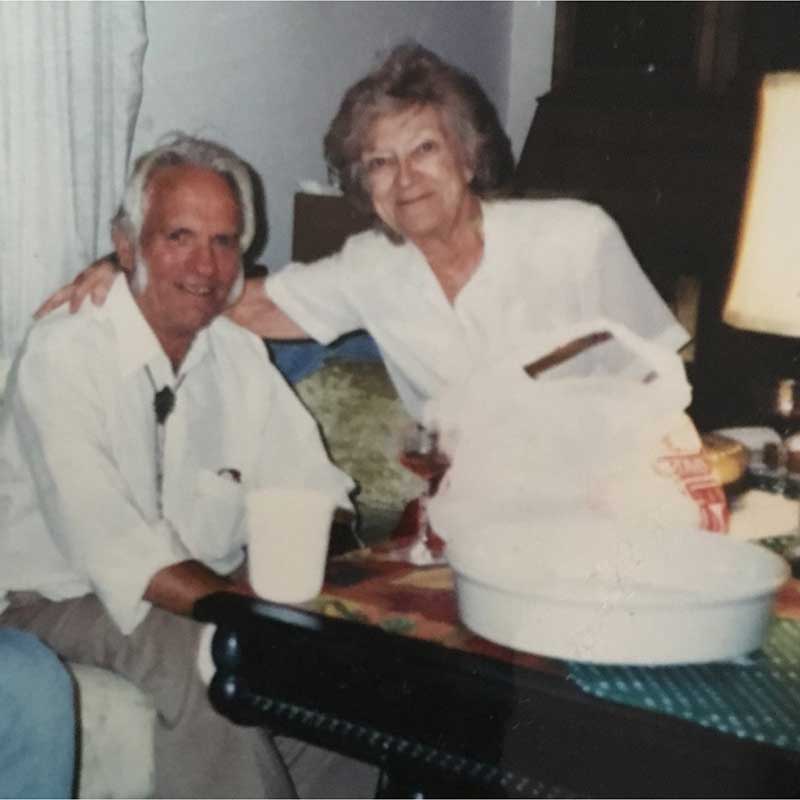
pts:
pixel 129 437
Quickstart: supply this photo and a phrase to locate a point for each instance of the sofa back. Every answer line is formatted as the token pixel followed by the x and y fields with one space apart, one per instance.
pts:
pixel 321 225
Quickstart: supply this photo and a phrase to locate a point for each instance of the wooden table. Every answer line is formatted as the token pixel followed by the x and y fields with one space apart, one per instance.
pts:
pixel 378 667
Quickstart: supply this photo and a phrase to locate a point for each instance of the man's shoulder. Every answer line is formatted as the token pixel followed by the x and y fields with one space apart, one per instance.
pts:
pixel 235 342
pixel 62 330
pixel 241 358
pixel 61 350
pixel 224 329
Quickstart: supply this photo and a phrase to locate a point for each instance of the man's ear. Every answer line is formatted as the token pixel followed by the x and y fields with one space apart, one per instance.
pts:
pixel 124 248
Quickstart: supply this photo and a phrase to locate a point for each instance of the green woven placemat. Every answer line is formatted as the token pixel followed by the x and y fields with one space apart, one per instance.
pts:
pixel 757 697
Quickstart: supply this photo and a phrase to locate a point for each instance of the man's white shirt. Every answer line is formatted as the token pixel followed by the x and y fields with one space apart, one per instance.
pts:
pixel 79 504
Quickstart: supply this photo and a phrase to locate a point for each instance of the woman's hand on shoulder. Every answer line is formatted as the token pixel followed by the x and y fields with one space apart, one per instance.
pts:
pixel 94 281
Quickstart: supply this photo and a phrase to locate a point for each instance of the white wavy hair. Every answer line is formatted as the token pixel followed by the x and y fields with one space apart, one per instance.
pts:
pixel 176 149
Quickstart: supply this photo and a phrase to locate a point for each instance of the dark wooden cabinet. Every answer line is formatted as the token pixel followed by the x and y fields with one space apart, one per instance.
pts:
pixel 627 42
pixel 671 174
pixel 651 115
pixel 710 48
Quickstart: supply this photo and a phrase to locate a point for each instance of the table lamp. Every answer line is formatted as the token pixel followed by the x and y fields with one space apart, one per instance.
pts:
pixel 764 291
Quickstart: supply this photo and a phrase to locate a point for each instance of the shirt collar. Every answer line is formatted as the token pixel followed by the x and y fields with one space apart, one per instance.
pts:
pixel 137 345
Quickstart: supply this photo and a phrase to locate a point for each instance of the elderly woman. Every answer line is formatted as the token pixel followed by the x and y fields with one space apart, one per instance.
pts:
pixel 450 276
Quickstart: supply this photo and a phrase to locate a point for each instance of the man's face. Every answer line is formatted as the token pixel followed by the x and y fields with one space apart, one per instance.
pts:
pixel 190 246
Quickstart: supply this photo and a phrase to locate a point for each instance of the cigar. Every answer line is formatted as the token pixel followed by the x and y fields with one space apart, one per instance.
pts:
pixel 566 352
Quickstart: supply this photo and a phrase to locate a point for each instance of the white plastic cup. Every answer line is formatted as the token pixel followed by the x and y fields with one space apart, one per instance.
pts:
pixel 288 533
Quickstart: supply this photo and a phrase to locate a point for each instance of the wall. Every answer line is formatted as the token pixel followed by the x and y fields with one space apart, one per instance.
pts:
pixel 266 78
pixel 533 27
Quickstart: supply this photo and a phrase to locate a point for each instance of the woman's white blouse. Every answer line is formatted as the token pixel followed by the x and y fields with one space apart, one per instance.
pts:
pixel 546 264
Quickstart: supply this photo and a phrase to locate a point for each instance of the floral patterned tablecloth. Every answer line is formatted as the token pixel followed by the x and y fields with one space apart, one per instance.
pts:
pixel 372 587
pixel 757 697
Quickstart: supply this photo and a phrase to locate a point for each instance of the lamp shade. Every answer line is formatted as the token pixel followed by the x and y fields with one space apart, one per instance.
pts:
pixel 764 293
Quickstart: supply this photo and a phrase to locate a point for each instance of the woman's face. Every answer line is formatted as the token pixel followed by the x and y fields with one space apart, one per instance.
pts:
pixel 416 173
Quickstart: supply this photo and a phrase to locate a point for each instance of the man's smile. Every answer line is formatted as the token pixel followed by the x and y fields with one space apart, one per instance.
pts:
pixel 196 291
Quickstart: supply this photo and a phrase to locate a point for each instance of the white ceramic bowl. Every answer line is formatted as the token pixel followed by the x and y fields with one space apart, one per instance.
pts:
pixel 588 592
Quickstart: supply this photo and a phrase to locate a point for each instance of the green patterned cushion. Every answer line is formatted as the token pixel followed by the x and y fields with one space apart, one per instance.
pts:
pixel 361 418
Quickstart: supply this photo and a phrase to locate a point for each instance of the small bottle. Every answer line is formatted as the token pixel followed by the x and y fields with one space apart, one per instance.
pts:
pixel 785 419
pixel 791 446
pixel 767 468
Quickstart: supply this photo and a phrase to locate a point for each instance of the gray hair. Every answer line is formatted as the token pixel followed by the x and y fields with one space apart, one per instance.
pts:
pixel 176 149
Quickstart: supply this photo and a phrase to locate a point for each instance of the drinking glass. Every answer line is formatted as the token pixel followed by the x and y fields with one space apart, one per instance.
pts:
pixel 420 453
pixel 784 412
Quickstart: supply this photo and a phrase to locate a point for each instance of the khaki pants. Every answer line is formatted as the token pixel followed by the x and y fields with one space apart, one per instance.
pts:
pixel 198 753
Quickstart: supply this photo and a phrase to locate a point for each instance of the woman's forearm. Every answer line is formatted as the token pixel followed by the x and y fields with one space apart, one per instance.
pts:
pixel 256 312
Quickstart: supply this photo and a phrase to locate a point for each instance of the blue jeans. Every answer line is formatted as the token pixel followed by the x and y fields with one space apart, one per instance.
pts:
pixel 37 719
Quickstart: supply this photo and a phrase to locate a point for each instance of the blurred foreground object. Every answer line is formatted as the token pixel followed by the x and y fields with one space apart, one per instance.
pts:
pixel 764 294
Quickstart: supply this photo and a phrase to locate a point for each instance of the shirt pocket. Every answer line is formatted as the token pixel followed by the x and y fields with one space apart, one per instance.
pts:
pixel 217 516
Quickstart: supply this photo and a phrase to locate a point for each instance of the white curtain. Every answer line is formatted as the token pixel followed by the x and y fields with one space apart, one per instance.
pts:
pixel 70 88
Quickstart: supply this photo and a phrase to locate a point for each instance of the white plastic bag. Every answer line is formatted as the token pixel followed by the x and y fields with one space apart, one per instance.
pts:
pixel 604 434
